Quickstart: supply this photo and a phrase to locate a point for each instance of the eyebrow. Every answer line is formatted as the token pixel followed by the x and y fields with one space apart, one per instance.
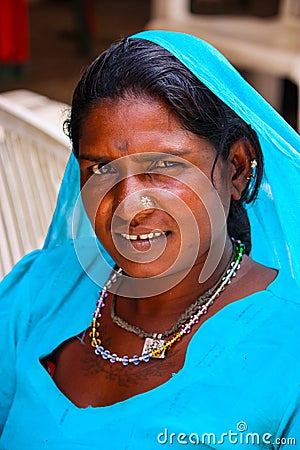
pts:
pixel 150 156
pixel 147 156
pixel 93 158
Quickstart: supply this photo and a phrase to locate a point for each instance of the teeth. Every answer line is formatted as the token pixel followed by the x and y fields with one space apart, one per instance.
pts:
pixel 134 237
pixel 144 236
pixel 129 237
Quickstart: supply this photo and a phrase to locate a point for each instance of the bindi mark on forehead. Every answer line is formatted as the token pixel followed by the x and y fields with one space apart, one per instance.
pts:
pixel 120 145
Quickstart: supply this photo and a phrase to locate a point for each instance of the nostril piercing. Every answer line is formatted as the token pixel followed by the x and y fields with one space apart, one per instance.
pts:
pixel 146 202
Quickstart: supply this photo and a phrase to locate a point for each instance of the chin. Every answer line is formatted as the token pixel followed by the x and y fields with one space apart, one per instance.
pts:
pixel 163 268
pixel 142 269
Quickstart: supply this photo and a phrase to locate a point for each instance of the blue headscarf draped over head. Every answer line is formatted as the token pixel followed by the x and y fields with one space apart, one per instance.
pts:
pixel 275 216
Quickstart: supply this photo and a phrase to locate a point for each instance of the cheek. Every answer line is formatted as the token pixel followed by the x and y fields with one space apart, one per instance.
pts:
pixel 209 211
pixel 104 215
pixel 98 206
pixel 194 203
pixel 222 184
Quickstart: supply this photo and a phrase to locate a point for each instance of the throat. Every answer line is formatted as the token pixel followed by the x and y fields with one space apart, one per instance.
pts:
pixel 162 339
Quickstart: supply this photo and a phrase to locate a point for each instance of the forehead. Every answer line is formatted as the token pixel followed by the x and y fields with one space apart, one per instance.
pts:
pixel 132 125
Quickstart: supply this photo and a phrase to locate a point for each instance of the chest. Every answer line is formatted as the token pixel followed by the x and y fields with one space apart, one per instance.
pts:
pixel 215 396
pixel 89 380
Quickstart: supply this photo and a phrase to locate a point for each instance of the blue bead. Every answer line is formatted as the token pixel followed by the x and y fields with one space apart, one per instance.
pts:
pixel 106 354
pixel 135 360
pixel 125 360
pixel 97 351
pixel 113 358
pixel 145 357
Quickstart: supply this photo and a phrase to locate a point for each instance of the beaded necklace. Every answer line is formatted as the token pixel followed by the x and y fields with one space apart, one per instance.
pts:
pixel 154 340
pixel 190 310
pixel 159 349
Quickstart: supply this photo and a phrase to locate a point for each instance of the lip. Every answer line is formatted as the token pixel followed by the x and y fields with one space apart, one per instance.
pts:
pixel 137 230
pixel 142 242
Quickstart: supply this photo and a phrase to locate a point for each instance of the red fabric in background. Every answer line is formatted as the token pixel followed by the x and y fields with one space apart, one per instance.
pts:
pixel 14 31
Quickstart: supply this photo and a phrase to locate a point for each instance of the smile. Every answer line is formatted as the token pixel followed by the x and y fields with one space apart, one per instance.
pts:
pixel 135 237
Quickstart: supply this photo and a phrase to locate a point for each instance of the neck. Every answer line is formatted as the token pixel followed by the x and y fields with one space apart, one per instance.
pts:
pixel 169 304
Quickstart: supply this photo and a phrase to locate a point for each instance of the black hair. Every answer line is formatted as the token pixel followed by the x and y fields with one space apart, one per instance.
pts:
pixel 139 67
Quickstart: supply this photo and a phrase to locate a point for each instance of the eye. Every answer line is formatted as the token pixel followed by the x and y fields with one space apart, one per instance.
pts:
pixel 165 164
pixel 102 169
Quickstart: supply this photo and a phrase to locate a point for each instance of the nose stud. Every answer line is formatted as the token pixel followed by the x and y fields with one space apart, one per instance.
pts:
pixel 146 202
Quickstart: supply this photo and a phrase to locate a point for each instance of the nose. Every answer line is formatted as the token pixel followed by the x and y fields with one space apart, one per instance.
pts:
pixel 131 197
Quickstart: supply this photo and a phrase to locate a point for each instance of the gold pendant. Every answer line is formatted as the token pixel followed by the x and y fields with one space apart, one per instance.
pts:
pixel 153 344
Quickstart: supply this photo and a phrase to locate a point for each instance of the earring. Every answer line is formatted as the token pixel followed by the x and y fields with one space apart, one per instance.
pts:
pixel 146 202
pixel 253 165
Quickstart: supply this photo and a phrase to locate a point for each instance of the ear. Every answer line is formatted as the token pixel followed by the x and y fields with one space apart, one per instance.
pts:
pixel 240 155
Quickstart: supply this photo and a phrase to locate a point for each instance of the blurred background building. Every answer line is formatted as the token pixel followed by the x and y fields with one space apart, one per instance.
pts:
pixel 55 39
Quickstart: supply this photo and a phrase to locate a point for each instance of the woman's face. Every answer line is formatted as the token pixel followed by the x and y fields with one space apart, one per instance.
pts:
pixel 146 187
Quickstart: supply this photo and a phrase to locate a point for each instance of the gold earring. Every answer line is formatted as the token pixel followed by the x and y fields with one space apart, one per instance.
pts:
pixel 253 164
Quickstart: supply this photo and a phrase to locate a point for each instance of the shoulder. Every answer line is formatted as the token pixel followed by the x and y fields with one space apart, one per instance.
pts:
pixel 279 307
pixel 278 287
pixel 285 290
pixel 271 323
pixel 267 321
pixel 36 266
pixel 65 263
pixel 51 278
pixel 19 290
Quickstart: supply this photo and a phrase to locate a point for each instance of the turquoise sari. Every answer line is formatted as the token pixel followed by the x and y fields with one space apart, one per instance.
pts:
pixel 240 381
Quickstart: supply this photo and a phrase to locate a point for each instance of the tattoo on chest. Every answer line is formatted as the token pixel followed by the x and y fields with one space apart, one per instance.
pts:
pixel 127 376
